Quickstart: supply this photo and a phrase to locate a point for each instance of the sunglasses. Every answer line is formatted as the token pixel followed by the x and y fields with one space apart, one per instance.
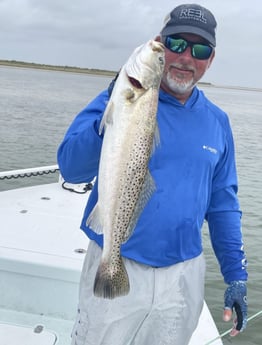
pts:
pixel 178 45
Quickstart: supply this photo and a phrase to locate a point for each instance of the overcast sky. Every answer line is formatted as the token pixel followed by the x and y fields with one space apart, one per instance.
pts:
pixel 103 33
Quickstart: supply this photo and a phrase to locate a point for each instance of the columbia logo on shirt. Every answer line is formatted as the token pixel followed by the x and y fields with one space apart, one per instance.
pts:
pixel 210 149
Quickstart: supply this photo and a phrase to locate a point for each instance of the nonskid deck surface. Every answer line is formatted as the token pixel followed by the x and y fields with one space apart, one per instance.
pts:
pixel 29 329
pixel 10 333
pixel 43 221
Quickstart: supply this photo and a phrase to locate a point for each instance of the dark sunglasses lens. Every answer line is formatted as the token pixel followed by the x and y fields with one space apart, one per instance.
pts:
pixel 176 45
pixel 201 51
pixel 179 45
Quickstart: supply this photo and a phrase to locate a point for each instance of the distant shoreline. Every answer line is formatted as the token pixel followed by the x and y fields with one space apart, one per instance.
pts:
pixel 100 72
pixel 72 69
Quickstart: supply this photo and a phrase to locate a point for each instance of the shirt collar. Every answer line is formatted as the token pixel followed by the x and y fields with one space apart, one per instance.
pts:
pixel 166 97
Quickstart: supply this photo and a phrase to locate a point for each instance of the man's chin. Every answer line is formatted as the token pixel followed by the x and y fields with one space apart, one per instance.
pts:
pixel 180 88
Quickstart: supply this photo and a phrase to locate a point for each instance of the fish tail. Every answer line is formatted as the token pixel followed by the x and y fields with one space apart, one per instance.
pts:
pixel 111 282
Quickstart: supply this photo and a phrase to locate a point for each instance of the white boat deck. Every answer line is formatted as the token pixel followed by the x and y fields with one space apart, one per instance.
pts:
pixel 41 256
pixel 39 336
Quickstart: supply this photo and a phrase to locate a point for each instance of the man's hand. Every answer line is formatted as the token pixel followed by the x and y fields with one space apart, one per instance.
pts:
pixel 236 300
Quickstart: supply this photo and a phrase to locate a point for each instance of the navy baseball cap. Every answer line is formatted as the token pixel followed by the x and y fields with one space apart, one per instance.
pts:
pixel 193 19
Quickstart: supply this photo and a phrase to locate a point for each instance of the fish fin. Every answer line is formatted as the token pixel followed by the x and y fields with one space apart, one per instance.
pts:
pixel 111 283
pixel 146 192
pixel 107 117
pixel 156 140
pixel 94 220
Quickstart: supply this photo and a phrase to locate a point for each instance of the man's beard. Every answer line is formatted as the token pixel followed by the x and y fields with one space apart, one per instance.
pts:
pixel 178 86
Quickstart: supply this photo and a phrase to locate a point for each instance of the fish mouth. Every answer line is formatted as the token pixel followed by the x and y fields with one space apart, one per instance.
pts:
pixel 136 83
pixel 158 46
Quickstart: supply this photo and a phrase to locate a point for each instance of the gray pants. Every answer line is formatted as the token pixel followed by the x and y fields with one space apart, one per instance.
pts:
pixel 162 307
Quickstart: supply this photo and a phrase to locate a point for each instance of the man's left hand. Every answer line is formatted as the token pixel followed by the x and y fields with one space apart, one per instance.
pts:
pixel 236 300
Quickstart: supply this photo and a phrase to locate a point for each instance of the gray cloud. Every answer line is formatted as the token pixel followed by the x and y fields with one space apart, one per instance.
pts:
pixel 102 34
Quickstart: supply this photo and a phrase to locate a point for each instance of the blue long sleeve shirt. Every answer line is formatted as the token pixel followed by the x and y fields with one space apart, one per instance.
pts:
pixel 195 175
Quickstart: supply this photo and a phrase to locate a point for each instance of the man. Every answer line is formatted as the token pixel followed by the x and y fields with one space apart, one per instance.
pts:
pixel 196 179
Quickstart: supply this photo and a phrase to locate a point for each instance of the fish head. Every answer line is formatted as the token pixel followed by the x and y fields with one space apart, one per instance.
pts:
pixel 145 66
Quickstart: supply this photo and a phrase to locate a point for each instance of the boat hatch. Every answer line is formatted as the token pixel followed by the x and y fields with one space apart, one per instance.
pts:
pixel 16 335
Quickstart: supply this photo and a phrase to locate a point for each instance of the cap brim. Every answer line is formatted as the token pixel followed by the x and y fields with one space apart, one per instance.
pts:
pixel 190 30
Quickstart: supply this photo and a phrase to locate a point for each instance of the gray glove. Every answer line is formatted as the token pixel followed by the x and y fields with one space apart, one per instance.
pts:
pixel 236 300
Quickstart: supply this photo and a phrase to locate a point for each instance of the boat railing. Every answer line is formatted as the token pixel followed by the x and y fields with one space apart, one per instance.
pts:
pixel 21 173
pixel 79 188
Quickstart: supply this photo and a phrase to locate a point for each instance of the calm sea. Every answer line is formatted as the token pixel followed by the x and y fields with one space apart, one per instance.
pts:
pixel 36 108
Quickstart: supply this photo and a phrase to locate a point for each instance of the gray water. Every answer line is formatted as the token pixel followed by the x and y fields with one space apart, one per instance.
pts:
pixel 36 108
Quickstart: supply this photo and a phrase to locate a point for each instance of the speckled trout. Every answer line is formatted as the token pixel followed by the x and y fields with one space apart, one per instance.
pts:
pixel 124 182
